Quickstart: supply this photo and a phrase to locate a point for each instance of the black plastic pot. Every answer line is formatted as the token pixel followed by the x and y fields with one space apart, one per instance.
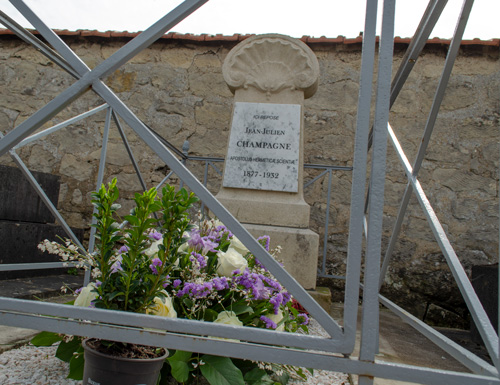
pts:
pixel 103 369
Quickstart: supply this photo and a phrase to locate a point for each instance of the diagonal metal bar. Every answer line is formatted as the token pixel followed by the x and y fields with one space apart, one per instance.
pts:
pixel 443 83
pixel 428 130
pixel 422 33
pixel 164 180
pixel 370 312
pixel 185 175
pixel 359 175
pixel 216 169
pixel 43 196
pixel 315 179
pixel 129 151
pixel 167 144
pixel 43 48
pixel 105 68
pixel 205 181
pixel 475 307
pixel 57 127
pixel 461 354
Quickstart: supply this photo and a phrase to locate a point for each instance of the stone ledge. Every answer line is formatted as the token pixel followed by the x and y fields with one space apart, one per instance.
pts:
pixel 323 296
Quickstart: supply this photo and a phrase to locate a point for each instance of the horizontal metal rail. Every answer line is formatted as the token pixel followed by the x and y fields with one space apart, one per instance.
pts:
pixel 191 336
pixel 35 266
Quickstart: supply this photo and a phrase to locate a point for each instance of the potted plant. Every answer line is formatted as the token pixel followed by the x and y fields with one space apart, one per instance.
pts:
pixel 168 266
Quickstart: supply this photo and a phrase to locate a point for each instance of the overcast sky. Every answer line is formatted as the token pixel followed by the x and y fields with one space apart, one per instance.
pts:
pixel 291 17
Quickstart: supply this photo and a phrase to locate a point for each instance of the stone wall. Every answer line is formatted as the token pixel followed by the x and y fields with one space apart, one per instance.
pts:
pixel 176 87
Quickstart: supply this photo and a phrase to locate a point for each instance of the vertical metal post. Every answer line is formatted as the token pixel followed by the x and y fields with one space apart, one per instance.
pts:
pixel 355 240
pixel 327 219
pixel 100 173
pixel 370 317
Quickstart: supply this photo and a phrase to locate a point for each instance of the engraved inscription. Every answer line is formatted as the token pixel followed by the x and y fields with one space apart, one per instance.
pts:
pixel 263 151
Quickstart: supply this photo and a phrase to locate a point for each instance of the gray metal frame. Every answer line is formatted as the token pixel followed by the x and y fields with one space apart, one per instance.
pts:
pixel 259 344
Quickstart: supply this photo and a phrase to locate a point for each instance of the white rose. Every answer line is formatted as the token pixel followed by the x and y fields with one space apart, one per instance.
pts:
pixel 228 318
pixel 86 296
pixel 153 249
pixel 183 248
pixel 238 246
pixel 229 261
pixel 276 318
pixel 163 307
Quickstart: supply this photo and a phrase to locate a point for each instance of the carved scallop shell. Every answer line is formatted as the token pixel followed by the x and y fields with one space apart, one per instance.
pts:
pixel 272 63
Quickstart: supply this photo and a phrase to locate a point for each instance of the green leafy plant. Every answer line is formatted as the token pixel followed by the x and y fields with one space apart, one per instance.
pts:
pixel 159 262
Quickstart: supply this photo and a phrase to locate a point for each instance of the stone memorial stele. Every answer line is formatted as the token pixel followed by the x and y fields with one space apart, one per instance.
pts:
pixel 270 76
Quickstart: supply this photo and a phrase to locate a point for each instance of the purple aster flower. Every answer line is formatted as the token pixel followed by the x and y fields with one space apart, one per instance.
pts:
pixel 155 235
pixel 177 282
pixel 208 245
pixel 286 297
pixel 123 249
pixel 272 283
pixel 98 283
pixel 304 317
pixel 218 233
pixel 276 301
pixel 220 283
pixel 196 290
pixel 117 266
pixel 268 322
pixel 203 244
pixel 259 290
pixel 202 261
pixel 78 291
pixel 195 241
pixel 264 241
pixel 156 262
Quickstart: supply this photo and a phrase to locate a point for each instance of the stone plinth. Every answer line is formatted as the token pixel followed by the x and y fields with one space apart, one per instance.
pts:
pixel 299 250
pixel 266 207
pixel 270 76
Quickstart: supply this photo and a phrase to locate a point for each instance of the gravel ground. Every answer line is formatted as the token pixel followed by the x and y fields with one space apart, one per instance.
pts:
pixel 29 365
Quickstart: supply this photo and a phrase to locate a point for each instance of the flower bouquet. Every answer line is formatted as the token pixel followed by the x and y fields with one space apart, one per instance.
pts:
pixel 159 262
